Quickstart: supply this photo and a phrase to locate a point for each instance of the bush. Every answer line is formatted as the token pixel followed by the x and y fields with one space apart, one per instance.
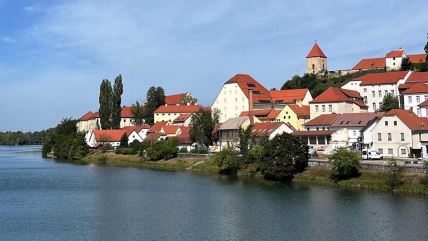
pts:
pixel 227 160
pixel 346 164
pixel 126 151
pixel 255 154
pixel 106 147
pixel 183 150
pixel 286 156
pixel 395 174
pixel 163 149
pixel 199 150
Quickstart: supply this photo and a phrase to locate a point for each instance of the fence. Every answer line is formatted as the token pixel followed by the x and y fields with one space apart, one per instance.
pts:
pixel 369 166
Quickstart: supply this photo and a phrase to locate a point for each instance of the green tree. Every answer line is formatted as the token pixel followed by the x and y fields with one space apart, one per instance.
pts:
pixel 116 103
pixel 124 140
pixel 285 156
pixel 345 164
pixel 406 64
pixel 137 113
pixel 155 98
pixel 188 99
pixel 163 149
pixel 426 48
pixel 227 160
pixel 202 128
pixel 389 102
pixel 105 101
pixel 245 141
pixel 395 174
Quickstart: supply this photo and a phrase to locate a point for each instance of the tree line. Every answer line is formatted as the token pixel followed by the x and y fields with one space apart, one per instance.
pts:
pixel 18 138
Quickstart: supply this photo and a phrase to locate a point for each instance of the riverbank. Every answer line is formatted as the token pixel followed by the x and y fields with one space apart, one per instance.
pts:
pixel 369 180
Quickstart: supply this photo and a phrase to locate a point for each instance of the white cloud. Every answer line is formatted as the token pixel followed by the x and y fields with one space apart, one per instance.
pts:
pixel 34 8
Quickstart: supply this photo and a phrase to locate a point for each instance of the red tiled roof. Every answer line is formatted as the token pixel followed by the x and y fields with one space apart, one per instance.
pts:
pixel 174 99
pixel 109 135
pixel 182 117
pixel 316 52
pixel 417 58
pixel 334 94
pixel 372 63
pixel 323 120
pixel 313 133
pixel 410 119
pixel 356 119
pixel 303 110
pixel 268 114
pixel 130 129
pixel 417 88
pixel 424 104
pixel 395 54
pixel 417 77
pixel 152 137
pixel 405 86
pixel 126 112
pixel 266 128
pixel 156 127
pixel 170 129
pixel 288 96
pixel 87 116
pixel 382 78
pixel 244 81
pixel 184 138
pixel 179 108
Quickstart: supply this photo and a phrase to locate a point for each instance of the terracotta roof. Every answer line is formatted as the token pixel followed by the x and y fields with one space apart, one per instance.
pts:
pixel 174 99
pixel 152 137
pixel 126 112
pixel 316 52
pixel 157 126
pixel 417 77
pixel 301 111
pixel 109 135
pixel 417 58
pixel 184 138
pixel 417 88
pixel 267 114
pixel 288 96
pixel 356 119
pixel 130 129
pixel 244 81
pixel 313 133
pixel 87 116
pixel 182 118
pixel 382 78
pixel 170 129
pixel 266 128
pixel 424 103
pixel 395 53
pixel 410 119
pixel 179 108
pixel 405 86
pixel 372 63
pixel 334 94
pixel 323 120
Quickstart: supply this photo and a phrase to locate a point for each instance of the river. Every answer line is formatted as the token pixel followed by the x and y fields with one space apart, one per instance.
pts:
pixel 41 199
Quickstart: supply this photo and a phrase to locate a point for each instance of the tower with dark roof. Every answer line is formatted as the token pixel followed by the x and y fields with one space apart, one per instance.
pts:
pixel 316 61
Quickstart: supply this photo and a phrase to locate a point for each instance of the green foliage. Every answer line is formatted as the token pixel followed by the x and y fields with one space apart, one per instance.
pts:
pixel 426 47
pixel 23 138
pixel 245 140
pixel 318 84
pixel 255 154
pixel 389 102
pixel 155 98
pixel 395 174
pixel 182 150
pixel 227 160
pixel 124 140
pixel 203 125
pixel 286 156
pixel 126 151
pixel 137 113
pixel 105 100
pixel 200 150
pixel 406 64
pixel 423 67
pixel 116 103
pixel 163 149
pixel 346 164
pixel 106 147
pixel 65 142
pixel 188 99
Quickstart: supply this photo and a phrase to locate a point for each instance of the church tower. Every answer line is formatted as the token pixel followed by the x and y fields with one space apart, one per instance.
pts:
pixel 316 61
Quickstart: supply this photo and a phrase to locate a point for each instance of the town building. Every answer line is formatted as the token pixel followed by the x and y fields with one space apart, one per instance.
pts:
pixel 294 114
pixel 228 132
pixel 316 61
pixel 171 112
pixel 270 129
pixel 415 95
pixel 281 98
pixel 337 100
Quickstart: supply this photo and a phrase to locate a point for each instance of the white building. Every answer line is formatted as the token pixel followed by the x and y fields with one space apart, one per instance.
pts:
pixel 414 96
pixel 394 58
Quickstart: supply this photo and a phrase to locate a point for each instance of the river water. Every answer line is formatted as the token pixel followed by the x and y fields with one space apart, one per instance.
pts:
pixel 47 200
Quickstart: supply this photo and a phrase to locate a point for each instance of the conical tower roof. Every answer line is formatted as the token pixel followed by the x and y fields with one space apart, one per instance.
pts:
pixel 316 52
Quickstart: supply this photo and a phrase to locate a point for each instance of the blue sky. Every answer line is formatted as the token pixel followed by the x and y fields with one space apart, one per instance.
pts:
pixel 54 54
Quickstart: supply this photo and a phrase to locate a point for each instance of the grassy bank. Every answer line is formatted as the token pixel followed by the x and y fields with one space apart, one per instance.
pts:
pixel 369 180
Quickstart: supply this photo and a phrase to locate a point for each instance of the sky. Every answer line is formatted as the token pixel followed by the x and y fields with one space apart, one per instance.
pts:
pixel 54 54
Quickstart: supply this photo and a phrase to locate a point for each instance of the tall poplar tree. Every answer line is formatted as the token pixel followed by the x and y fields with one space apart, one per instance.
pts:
pixel 116 103
pixel 137 113
pixel 105 101
pixel 426 48
pixel 155 98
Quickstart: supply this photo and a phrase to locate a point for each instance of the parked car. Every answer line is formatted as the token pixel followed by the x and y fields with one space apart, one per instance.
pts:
pixel 368 154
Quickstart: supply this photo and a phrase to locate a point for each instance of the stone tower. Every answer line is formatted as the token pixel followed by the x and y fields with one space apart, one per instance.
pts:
pixel 316 61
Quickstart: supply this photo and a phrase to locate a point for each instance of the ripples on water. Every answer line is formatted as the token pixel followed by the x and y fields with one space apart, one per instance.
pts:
pixel 44 200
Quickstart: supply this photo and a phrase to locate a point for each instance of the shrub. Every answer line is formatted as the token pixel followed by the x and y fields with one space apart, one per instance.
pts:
pixel 182 150
pixel 395 174
pixel 106 147
pixel 285 156
pixel 346 164
pixel 199 150
pixel 255 154
pixel 227 160
pixel 126 151
pixel 163 149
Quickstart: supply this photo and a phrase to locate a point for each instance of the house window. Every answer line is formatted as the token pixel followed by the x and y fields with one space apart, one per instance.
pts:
pixel 365 90
pixel 354 133
pixel 386 92
pixel 316 108
pixel 409 99
pixel 389 137
pixel 390 151
pixel 395 123
pixel 379 136
pixel 402 136
pixel 318 128
pixel 380 93
pixel 373 94
pixel 323 108
pixel 418 110
pixel 380 150
pixel 392 92
pixel 418 99
pixel 374 106
pixel 386 123
pixel 426 97
pixel 403 151
pixel 330 108
pixel 321 140
pixel 365 99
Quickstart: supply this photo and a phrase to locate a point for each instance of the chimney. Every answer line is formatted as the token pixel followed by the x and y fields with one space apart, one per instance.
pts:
pixel 250 110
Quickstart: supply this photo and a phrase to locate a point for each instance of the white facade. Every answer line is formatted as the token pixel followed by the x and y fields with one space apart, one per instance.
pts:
pixel 283 128
pixel 394 63
pixel 411 102
pixel 353 85
pixel 317 109
pixel 231 101
pixel 88 125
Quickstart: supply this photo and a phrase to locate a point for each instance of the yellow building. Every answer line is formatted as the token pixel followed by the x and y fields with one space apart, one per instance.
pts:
pixel 296 115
